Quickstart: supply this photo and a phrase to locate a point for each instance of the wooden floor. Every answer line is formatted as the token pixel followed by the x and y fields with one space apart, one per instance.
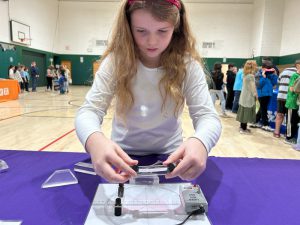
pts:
pixel 44 121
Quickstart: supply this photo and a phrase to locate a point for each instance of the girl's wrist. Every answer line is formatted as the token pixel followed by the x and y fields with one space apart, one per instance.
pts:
pixel 92 141
pixel 198 141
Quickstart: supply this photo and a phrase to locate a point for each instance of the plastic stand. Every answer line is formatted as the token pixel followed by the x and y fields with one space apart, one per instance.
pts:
pixel 10 222
pixel 149 179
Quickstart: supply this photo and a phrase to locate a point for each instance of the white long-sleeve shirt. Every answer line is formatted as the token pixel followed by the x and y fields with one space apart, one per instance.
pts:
pixel 11 74
pixel 149 128
pixel 283 83
pixel 17 76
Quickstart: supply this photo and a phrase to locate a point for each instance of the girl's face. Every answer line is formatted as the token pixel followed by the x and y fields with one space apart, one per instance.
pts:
pixel 151 36
pixel 298 68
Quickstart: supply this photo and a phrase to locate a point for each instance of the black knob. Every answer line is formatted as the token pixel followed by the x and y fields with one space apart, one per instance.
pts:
pixel 171 167
pixel 118 207
pixel 135 168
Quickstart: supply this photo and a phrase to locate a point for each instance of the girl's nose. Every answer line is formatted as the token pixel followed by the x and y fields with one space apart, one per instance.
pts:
pixel 151 40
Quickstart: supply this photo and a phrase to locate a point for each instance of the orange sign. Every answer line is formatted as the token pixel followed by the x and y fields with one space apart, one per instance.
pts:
pixel 9 90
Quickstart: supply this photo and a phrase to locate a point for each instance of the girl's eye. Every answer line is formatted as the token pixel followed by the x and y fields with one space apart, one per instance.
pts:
pixel 140 31
pixel 162 31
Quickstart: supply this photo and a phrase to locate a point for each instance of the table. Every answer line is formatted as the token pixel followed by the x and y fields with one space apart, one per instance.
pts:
pixel 9 90
pixel 240 191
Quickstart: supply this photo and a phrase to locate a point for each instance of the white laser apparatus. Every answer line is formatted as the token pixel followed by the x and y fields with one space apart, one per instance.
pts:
pixel 192 198
pixel 141 204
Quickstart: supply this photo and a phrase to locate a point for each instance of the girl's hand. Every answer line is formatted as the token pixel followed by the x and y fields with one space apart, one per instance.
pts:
pixel 109 160
pixel 192 156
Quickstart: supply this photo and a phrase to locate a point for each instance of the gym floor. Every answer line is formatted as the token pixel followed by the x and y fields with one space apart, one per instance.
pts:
pixel 44 121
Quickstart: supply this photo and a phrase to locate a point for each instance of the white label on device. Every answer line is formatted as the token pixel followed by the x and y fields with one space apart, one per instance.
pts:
pixel 152 170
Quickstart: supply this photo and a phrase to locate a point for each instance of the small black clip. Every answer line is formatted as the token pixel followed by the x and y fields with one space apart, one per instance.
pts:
pixel 118 207
pixel 171 167
pixel 135 168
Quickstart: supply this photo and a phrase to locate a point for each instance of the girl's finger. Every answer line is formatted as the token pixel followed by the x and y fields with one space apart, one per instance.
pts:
pixel 119 163
pixel 126 157
pixel 181 168
pixel 175 156
pixel 111 176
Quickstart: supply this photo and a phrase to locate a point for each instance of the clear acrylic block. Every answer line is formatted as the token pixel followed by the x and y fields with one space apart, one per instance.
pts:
pixel 60 178
pixel 3 166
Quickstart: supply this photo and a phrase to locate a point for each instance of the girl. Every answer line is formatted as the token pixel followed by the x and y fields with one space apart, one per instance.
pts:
pixel 49 77
pixel 67 76
pixel 266 80
pixel 23 77
pixel 218 77
pixel 61 81
pixel 11 73
pixel 151 67
pixel 246 111
pixel 26 76
pixel 18 77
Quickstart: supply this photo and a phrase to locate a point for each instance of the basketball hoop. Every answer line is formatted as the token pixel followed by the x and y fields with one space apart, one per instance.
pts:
pixel 25 41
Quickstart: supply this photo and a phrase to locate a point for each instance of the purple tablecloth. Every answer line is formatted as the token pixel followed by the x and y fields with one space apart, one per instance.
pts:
pixel 240 191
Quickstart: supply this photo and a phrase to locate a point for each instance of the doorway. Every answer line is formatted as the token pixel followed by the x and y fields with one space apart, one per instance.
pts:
pixel 68 64
pixel 28 57
pixel 96 65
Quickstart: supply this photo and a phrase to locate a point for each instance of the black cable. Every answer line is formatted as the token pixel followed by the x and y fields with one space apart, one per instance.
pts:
pixel 121 190
pixel 199 211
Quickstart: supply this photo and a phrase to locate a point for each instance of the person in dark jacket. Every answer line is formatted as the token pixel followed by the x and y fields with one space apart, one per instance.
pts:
pixel 34 74
pixel 229 86
pixel 218 77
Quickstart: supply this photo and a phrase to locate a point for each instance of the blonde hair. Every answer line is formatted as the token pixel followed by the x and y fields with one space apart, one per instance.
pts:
pixel 125 53
pixel 250 67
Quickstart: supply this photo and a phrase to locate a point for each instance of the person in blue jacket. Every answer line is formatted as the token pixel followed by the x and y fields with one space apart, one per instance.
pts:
pixel 61 81
pixel 237 88
pixel 266 80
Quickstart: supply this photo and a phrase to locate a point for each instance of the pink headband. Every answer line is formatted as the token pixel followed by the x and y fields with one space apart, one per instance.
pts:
pixel 174 2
